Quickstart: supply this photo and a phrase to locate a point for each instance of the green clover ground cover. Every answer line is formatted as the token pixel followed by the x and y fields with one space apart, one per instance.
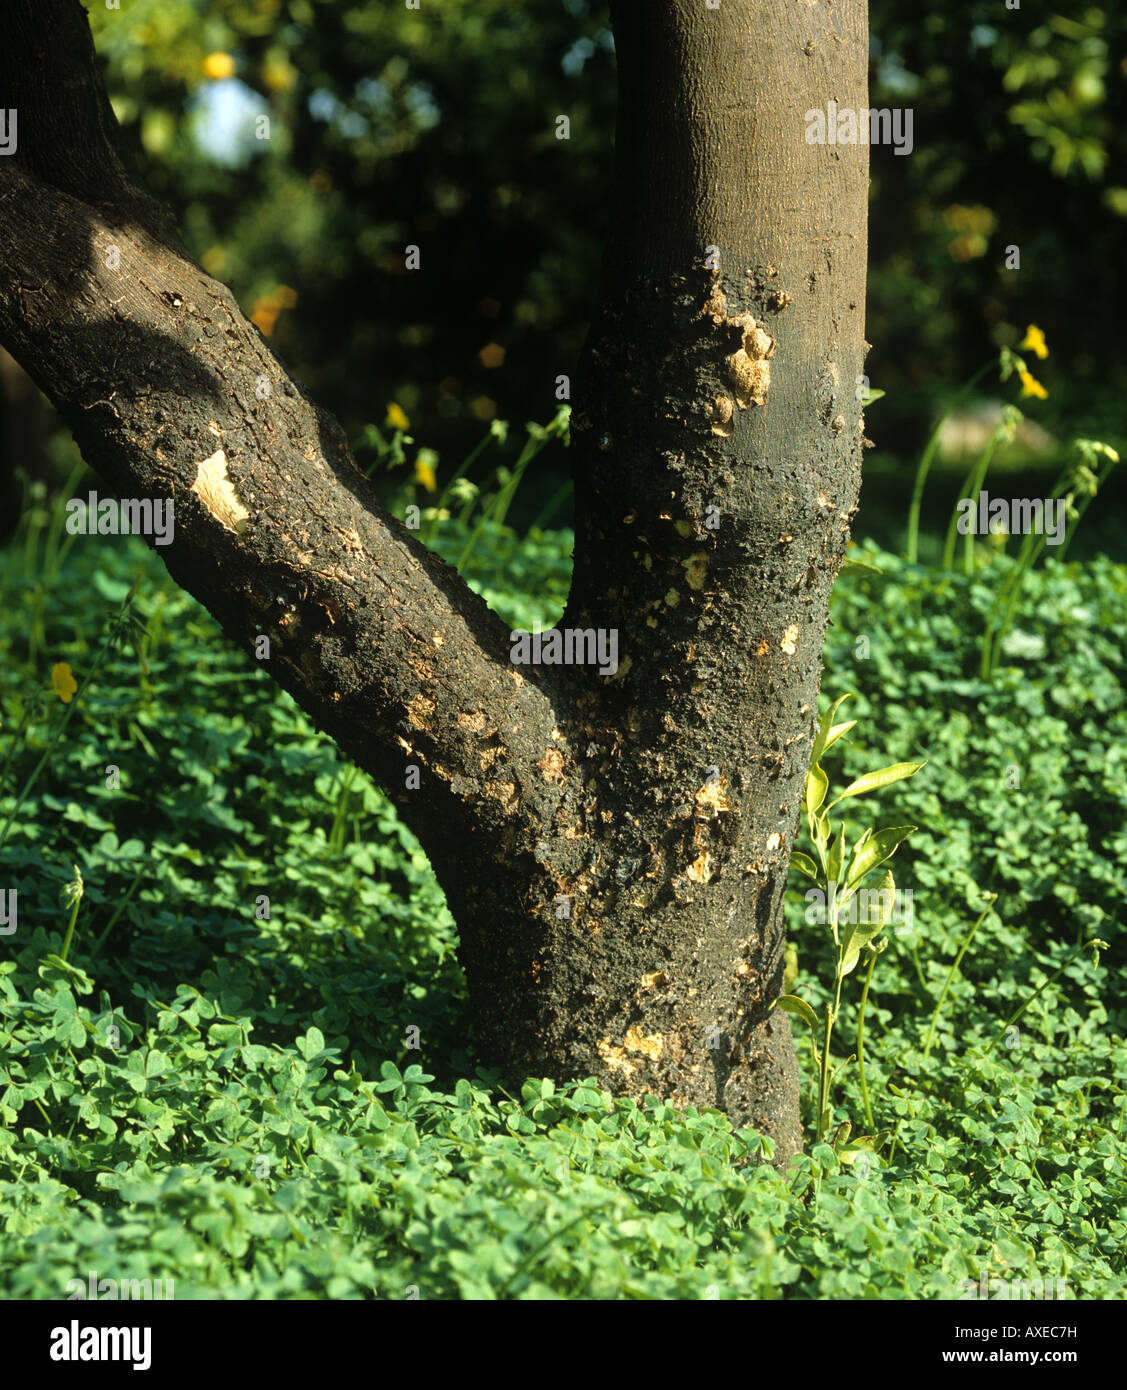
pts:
pixel 191 1091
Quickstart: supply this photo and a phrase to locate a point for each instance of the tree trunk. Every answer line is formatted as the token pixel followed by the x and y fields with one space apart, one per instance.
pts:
pixel 613 848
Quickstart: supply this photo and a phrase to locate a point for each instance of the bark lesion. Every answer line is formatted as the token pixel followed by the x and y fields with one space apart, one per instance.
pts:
pixel 749 366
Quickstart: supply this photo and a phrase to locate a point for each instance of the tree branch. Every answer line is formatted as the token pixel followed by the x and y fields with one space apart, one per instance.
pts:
pixel 172 393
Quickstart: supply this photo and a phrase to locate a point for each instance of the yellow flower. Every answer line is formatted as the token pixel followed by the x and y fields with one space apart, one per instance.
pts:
pixel 64 683
pixel 217 66
pixel 1029 387
pixel 1034 340
pixel 424 474
pixel 396 417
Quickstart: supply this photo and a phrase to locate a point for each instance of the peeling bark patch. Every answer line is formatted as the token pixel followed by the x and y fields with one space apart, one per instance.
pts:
pixel 419 711
pixel 551 766
pixel 634 1041
pixel 721 416
pixel 716 306
pixel 502 792
pixel 790 640
pixel 650 1047
pixel 214 489
pixel 696 566
pixel 748 368
pixel 700 870
pixel 711 798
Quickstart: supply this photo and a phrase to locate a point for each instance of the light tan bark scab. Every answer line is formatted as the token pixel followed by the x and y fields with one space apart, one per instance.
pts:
pixel 748 367
pixel 215 490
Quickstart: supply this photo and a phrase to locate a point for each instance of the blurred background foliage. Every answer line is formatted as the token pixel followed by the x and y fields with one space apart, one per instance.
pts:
pixel 391 127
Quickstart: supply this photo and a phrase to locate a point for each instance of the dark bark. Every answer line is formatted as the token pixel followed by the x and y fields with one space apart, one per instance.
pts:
pixel 23 439
pixel 717 442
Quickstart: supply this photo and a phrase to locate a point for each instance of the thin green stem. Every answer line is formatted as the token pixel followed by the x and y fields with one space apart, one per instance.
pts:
pixel 1004 606
pixel 17 739
pixel 861 1042
pixel 892 1146
pixel 919 968
pixel 336 834
pixel 832 1011
pixel 120 909
pixel 926 462
pixel 550 510
pixel 823 1074
pixel 972 486
pixel 992 898
pixel 1095 943
pixel 70 928
pixel 1082 507
pixel 948 560
pixel 1006 603
pixel 537 1250
pixel 499 506
pixel 470 458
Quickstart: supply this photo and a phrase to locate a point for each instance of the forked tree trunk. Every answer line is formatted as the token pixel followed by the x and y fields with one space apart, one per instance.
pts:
pixel 614 849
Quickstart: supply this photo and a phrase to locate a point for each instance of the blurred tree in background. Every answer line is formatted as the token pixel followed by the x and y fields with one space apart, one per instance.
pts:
pixel 437 128
pixel 1017 141
pixel 388 128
